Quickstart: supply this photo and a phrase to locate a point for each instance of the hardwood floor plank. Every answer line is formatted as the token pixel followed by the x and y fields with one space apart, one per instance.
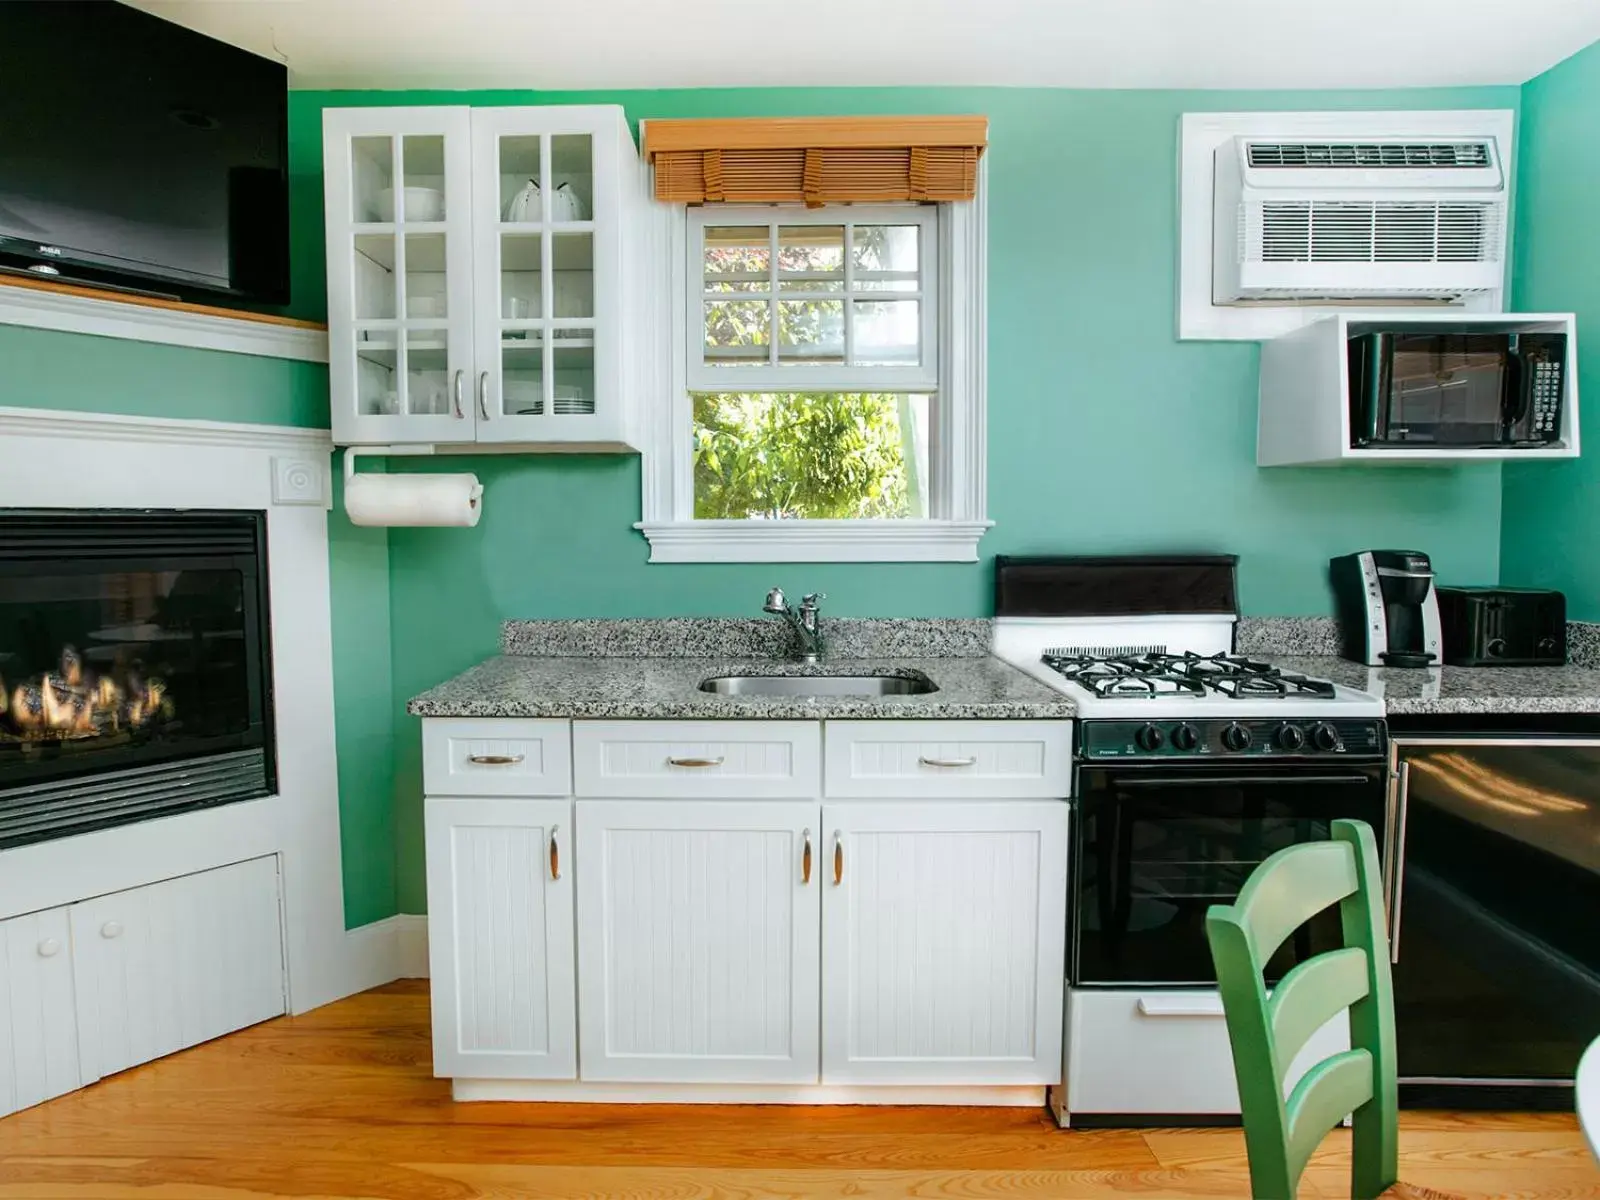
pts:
pixel 341 1104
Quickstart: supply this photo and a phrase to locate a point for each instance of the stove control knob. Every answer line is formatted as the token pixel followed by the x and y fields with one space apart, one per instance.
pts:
pixel 1149 738
pixel 1291 737
pixel 1325 737
pixel 1236 737
pixel 1184 738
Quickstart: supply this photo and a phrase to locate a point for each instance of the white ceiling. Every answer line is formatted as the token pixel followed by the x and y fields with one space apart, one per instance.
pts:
pixel 813 43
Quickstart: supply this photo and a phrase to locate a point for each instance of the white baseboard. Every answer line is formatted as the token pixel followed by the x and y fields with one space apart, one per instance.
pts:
pixel 1022 1096
pixel 393 948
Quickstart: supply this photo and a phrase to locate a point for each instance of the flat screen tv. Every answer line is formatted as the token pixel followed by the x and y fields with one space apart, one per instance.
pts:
pixel 137 153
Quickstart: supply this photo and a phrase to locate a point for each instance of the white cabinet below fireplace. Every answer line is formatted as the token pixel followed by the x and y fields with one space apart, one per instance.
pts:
pixel 94 988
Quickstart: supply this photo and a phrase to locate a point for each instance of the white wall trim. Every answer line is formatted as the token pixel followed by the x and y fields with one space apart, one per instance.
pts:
pixel 106 317
pixel 1199 135
pixel 133 462
pixel 383 951
pixel 958 456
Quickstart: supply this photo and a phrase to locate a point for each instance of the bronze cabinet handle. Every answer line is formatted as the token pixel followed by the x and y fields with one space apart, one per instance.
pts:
pixel 838 858
pixel 695 762
pixel 494 760
pixel 805 857
pixel 555 853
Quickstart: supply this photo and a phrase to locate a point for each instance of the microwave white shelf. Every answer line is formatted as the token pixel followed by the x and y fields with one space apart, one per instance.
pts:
pixel 1304 417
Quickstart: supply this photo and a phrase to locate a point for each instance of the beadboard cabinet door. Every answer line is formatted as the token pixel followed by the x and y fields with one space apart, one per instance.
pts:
pixel 698 929
pixel 943 935
pixel 500 945
pixel 38 1016
pixel 161 968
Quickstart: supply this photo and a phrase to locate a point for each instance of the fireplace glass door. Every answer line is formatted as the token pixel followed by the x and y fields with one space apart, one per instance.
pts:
pixel 128 641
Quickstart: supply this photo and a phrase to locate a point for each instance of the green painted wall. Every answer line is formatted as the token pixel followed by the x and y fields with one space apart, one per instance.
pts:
pixel 1551 531
pixel 1106 433
pixel 44 369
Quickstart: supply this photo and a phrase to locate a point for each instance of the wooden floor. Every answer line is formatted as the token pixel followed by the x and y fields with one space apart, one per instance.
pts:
pixel 340 1104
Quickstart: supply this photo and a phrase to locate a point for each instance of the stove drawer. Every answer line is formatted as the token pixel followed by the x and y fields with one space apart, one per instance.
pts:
pixel 919 760
pixel 1146 1052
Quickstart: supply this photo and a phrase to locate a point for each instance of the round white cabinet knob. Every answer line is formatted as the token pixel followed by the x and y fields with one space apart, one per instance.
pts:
pixel 49 948
pixel 111 929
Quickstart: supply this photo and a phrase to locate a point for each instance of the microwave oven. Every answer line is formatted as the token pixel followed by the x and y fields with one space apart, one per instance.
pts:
pixel 1417 390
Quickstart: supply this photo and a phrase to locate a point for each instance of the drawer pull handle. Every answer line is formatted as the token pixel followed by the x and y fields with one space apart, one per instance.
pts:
pixel 838 858
pixel 49 948
pixel 111 929
pixel 695 762
pixel 495 760
pixel 555 853
pixel 805 856
pixel 947 762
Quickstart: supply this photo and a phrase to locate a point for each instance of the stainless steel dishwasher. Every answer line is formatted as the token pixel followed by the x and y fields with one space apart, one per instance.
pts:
pixel 1495 912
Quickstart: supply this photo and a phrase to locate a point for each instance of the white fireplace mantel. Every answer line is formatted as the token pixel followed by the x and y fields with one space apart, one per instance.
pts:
pixel 54 459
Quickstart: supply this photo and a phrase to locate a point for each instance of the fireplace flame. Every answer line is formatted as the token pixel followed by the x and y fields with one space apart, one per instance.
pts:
pixel 74 702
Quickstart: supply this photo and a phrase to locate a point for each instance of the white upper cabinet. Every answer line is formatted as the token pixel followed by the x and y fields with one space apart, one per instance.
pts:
pixel 476 288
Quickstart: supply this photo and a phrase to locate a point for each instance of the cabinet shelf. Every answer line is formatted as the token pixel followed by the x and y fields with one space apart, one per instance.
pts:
pixel 392 227
pixel 547 227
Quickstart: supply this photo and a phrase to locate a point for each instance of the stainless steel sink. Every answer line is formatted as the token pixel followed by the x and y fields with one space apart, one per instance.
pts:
pixel 819 685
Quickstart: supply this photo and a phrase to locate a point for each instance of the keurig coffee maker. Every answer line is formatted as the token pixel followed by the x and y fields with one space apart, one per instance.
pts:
pixel 1388 610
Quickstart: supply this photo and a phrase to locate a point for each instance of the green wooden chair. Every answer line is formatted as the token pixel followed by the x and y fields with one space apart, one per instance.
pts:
pixel 1280 896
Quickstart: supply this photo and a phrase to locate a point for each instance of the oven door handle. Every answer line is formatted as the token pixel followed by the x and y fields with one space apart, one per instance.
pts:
pixel 1189 781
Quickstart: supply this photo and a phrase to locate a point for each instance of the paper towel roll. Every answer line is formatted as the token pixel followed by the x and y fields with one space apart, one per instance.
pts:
pixel 413 499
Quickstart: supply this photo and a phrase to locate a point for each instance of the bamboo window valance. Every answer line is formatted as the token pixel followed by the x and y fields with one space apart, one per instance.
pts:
pixel 820 160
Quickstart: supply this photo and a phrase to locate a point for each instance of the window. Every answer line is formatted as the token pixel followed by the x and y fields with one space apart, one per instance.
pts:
pixel 827 398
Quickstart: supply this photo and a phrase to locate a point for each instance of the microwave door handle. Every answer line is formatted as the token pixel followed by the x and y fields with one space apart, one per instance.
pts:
pixel 1515 395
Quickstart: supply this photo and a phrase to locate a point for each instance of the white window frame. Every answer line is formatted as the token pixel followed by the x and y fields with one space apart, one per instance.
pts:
pixel 957 450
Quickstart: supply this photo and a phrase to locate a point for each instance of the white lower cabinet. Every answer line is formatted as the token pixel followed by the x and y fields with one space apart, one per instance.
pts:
pixel 500 938
pixel 944 934
pixel 698 935
pixel 38 1019
pixel 97 987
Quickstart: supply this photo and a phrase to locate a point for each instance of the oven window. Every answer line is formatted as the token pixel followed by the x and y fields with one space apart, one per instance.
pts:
pixel 1156 849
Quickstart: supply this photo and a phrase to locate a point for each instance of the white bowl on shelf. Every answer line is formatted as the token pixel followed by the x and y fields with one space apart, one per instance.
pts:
pixel 422 204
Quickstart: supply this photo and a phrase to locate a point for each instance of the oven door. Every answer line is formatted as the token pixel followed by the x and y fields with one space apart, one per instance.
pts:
pixel 1156 845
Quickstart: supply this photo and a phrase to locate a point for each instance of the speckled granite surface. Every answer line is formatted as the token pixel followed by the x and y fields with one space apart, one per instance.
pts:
pixel 1583 644
pixel 1287 635
pixel 1569 689
pixel 616 687
pixel 740 637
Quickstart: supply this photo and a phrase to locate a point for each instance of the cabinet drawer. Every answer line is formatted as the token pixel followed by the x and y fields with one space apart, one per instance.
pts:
pixel 1163 1052
pixel 932 759
pixel 483 757
pixel 697 759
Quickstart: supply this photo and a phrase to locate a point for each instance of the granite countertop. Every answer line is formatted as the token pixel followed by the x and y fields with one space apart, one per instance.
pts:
pixel 1569 689
pixel 638 688
pixel 651 670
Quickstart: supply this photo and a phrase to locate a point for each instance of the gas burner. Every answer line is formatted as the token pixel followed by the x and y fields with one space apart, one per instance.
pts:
pixel 1160 675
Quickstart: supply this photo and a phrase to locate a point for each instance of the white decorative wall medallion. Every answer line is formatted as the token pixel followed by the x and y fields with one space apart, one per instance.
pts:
pixel 300 481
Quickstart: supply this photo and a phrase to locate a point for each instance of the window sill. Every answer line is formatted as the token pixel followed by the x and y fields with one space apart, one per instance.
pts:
pixel 813 541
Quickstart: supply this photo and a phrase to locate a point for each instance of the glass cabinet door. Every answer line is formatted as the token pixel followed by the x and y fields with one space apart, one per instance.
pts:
pixel 399 274
pixel 547 244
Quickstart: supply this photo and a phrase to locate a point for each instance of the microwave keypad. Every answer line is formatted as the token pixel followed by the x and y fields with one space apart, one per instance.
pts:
pixel 1546 397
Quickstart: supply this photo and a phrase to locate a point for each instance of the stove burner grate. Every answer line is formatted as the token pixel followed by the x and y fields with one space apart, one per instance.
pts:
pixel 1153 674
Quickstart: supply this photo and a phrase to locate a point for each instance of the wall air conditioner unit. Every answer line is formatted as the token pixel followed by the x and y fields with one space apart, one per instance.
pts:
pixel 1364 219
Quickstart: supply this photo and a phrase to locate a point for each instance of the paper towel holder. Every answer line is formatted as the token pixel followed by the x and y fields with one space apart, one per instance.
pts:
pixel 351 453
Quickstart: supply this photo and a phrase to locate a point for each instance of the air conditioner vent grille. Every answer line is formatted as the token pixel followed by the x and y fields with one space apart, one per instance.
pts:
pixel 1325 231
pixel 1366 156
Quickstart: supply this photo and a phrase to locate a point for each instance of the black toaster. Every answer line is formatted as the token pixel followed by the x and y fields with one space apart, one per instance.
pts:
pixel 1503 627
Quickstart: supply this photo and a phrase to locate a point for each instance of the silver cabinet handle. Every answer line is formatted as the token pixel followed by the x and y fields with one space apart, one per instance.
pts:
pixel 805 856
pixel 460 375
pixel 49 948
pixel 1403 804
pixel 555 853
pixel 947 762
pixel 111 929
pixel 838 858
pixel 495 760
pixel 483 394
pixel 695 762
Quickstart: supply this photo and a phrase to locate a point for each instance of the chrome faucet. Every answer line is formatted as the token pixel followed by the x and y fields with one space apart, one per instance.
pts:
pixel 805 622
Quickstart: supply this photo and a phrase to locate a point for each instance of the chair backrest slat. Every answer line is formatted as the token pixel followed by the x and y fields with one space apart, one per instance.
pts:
pixel 1290 888
pixel 1311 995
pixel 1325 1095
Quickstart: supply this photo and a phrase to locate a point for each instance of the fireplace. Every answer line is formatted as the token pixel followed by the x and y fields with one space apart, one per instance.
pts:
pixel 135 667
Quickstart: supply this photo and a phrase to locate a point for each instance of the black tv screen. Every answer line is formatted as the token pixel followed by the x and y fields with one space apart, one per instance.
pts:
pixel 136 152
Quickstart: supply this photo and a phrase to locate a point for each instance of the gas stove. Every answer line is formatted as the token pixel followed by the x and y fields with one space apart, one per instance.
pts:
pixel 1167 683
